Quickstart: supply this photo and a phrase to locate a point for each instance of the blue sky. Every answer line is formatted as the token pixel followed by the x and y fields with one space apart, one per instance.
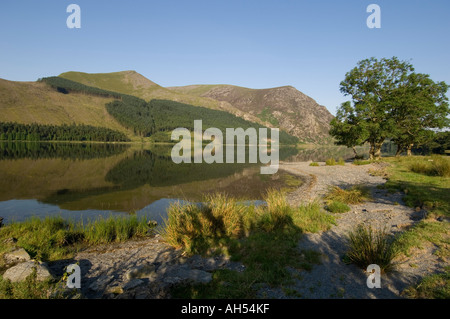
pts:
pixel 258 44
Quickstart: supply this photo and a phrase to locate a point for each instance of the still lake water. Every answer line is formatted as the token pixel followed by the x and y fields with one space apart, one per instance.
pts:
pixel 89 181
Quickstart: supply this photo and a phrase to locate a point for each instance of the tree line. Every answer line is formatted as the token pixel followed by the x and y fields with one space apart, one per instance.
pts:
pixel 74 132
pixel 389 101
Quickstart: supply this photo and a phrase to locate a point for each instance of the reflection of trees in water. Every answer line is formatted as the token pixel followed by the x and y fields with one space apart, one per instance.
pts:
pixel 35 150
pixel 321 154
pixel 146 167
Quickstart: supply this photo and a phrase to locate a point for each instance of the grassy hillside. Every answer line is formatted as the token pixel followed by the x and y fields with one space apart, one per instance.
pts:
pixel 36 102
pixel 133 83
pixel 150 118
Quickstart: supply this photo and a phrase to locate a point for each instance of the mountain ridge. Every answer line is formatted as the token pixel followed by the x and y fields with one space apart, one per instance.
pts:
pixel 284 107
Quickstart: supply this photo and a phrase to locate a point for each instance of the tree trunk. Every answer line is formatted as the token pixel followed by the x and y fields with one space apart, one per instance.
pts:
pixel 400 150
pixel 409 150
pixel 371 151
pixel 375 150
pixel 354 151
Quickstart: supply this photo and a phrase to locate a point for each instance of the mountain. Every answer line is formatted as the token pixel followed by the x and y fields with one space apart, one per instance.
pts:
pixel 36 102
pixel 133 83
pixel 96 104
pixel 284 107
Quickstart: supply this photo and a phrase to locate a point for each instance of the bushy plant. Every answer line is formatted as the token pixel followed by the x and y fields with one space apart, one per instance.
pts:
pixel 367 247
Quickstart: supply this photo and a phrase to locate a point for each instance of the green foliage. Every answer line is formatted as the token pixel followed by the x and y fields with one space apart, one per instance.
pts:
pixel 337 207
pixel 368 247
pixel 389 100
pixel 439 143
pixel 38 132
pixel 314 164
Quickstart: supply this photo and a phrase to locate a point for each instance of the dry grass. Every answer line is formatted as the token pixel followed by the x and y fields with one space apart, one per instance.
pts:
pixel 355 195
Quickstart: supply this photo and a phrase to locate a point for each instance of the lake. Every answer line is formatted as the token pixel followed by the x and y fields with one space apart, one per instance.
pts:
pixel 88 181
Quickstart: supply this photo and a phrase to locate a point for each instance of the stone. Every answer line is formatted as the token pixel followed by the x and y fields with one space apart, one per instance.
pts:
pixel 143 271
pixel 116 290
pixel 184 274
pixel 132 284
pixel 100 283
pixel 19 255
pixel 21 271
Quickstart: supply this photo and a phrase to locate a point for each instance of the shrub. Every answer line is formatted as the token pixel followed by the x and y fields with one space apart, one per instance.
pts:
pixel 368 247
pixel 341 161
pixel 314 164
pixel 330 162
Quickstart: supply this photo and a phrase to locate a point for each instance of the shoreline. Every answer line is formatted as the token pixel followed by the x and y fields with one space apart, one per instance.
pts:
pixel 106 268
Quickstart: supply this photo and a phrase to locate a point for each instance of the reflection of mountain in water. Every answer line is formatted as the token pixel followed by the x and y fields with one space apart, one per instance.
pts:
pixel 118 177
pixel 145 167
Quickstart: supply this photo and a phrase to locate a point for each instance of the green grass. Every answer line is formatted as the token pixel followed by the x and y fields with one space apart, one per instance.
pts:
pixel 434 166
pixel 54 238
pixel 435 286
pixel 361 162
pixel 314 164
pixel 421 190
pixel 425 185
pixel 330 162
pixel 263 238
pixel 30 288
pixel 337 207
pixel 426 231
pixel 367 247
pixel 354 195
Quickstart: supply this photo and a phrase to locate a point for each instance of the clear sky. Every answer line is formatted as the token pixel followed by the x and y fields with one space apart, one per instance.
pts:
pixel 253 43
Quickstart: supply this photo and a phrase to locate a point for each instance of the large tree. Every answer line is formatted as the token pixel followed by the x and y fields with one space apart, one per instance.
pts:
pixel 419 105
pixel 381 93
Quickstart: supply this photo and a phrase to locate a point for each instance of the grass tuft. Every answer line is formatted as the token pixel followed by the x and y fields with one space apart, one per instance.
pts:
pixel 337 207
pixel 355 195
pixel 330 162
pixel 368 247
